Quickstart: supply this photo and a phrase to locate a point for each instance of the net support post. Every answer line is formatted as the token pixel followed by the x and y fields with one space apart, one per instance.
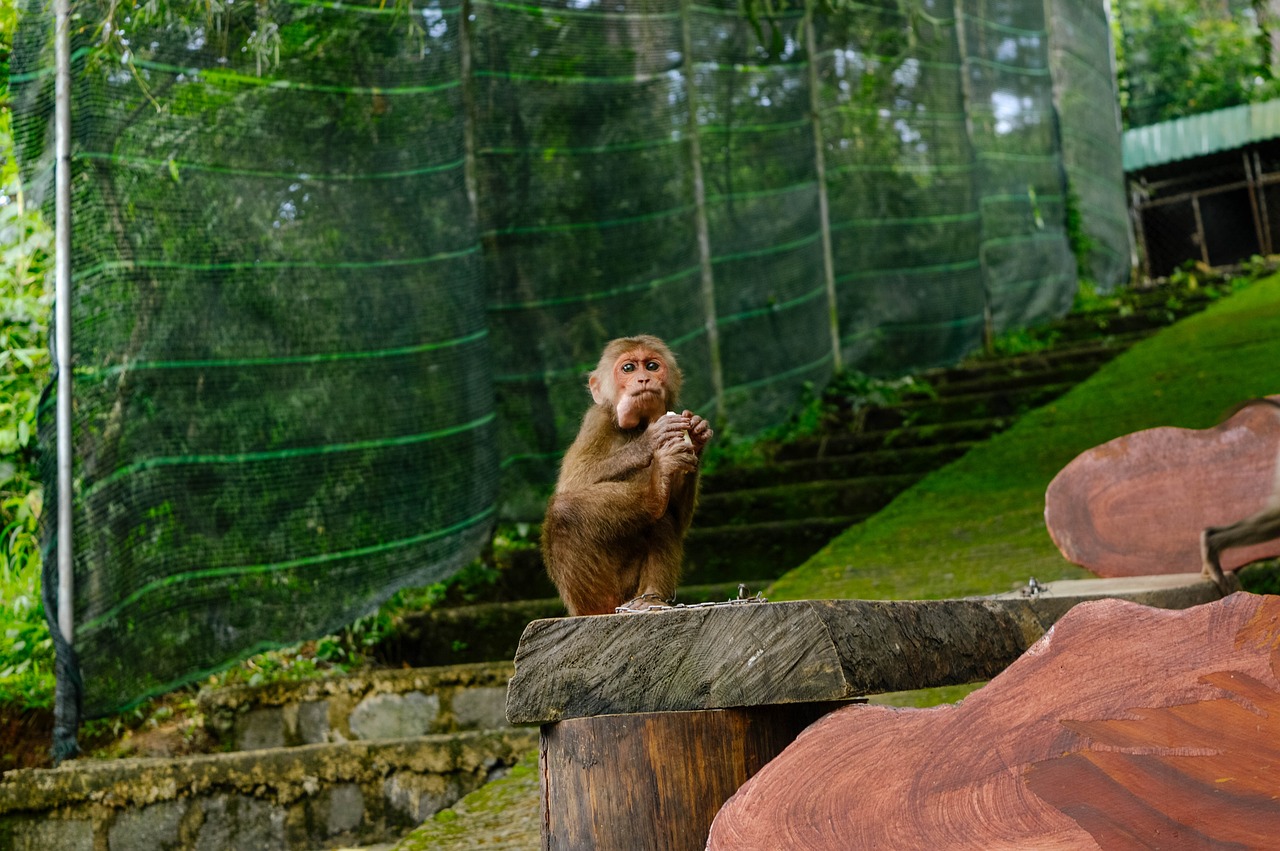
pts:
pixel 700 213
pixel 966 91
pixel 824 207
pixel 68 685
pixel 62 311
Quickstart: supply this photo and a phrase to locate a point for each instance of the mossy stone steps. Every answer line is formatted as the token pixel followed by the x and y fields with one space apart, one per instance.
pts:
pixel 965 406
pixel 855 443
pixel 798 501
pixel 827 464
pixel 1095 323
pixel 487 631
pixel 752 553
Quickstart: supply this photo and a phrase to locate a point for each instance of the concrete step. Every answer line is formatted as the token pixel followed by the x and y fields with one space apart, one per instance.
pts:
pixel 753 552
pixel 1094 324
pixel 978 368
pixel 827 465
pixel 485 631
pixel 842 498
pixel 1069 373
pixel 314 796
pixel 950 409
pixel 847 443
pixel 758 552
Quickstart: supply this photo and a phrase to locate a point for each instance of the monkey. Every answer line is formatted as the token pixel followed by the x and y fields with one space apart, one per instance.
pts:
pixel 1257 528
pixel 613 535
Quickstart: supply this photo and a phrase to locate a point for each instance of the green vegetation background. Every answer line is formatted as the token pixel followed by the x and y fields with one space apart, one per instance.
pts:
pixel 977 526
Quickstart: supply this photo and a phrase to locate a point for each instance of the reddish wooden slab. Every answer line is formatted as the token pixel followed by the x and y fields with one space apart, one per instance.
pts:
pixel 1136 505
pixel 1124 727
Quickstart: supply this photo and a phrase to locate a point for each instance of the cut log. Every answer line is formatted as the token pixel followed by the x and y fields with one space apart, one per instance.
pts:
pixel 1125 727
pixel 1136 505
pixel 654 782
pixel 758 654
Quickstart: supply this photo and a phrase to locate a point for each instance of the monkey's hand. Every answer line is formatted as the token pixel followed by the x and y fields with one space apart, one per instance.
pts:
pixel 673 448
pixel 700 432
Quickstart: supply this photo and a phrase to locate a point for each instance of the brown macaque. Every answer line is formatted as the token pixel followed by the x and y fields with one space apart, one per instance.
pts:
pixel 615 526
pixel 1255 529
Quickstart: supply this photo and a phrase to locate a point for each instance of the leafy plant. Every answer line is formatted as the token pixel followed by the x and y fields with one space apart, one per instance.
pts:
pixel 26 653
pixel 1182 57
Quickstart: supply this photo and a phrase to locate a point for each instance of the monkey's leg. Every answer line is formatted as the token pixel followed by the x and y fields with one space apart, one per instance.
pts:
pixel 1256 529
pixel 655 586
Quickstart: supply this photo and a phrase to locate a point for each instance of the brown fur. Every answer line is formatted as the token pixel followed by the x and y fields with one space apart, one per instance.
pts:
pixel 1255 529
pixel 615 526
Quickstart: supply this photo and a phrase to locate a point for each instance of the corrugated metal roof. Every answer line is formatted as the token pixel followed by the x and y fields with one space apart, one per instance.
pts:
pixel 1199 135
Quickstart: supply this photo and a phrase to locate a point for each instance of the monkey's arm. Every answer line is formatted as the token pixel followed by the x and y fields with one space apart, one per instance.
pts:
pixel 684 498
pixel 611 488
pixel 603 453
pixel 684 492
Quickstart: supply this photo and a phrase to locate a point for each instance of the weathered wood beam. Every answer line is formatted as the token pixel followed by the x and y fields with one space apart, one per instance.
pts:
pixel 757 654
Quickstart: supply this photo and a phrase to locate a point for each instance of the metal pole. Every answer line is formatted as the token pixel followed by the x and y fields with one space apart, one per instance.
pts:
pixel 62 307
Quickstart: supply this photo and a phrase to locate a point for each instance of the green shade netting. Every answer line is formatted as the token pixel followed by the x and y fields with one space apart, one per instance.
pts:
pixel 340 268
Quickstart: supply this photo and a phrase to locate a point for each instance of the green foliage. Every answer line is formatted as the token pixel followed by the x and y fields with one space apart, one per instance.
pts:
pixel 1082 244
pixel 1261 578
pixel 852 389
pixel 26 653
pixel 1182 57
pixel 1024 341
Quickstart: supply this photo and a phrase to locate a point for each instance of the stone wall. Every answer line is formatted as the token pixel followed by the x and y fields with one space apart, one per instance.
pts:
pixel 385 704
pixel 308 797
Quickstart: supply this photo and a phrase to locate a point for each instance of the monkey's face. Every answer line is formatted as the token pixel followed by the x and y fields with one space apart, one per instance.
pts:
pixel 640 379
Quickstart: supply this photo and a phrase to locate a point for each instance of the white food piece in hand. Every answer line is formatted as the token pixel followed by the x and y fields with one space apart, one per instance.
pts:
pixel 688 440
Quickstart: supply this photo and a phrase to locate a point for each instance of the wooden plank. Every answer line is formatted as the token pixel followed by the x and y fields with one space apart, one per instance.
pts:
pixel 1136 505
pixel 796 652
pixel 655 781
pixel 1126 727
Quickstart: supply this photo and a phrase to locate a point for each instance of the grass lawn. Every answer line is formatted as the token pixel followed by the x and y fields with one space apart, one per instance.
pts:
pixel 977 526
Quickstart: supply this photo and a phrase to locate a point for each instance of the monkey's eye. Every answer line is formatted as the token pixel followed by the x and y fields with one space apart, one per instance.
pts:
pixel 628 367
pixel 652 366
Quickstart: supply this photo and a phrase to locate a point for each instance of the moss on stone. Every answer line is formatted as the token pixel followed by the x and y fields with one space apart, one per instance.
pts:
pixel 505 812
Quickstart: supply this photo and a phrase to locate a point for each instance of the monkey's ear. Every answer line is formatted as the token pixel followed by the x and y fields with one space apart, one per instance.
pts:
pixel 597 392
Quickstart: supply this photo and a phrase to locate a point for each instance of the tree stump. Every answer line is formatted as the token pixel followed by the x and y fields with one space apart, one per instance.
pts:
pixel 1136 505
pixel 655 781
pixel 1125 727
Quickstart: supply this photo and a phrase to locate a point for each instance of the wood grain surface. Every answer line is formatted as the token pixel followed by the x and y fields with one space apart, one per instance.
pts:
pixel 1124 727
pixel 654 781
pixel 1136 505
pixel 795 652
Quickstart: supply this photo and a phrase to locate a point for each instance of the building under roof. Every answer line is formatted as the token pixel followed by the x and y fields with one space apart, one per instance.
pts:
pixel 1206 187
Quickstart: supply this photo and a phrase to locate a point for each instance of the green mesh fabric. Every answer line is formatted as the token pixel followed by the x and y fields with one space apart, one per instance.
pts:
pixel 1088 121
pixel 341 268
